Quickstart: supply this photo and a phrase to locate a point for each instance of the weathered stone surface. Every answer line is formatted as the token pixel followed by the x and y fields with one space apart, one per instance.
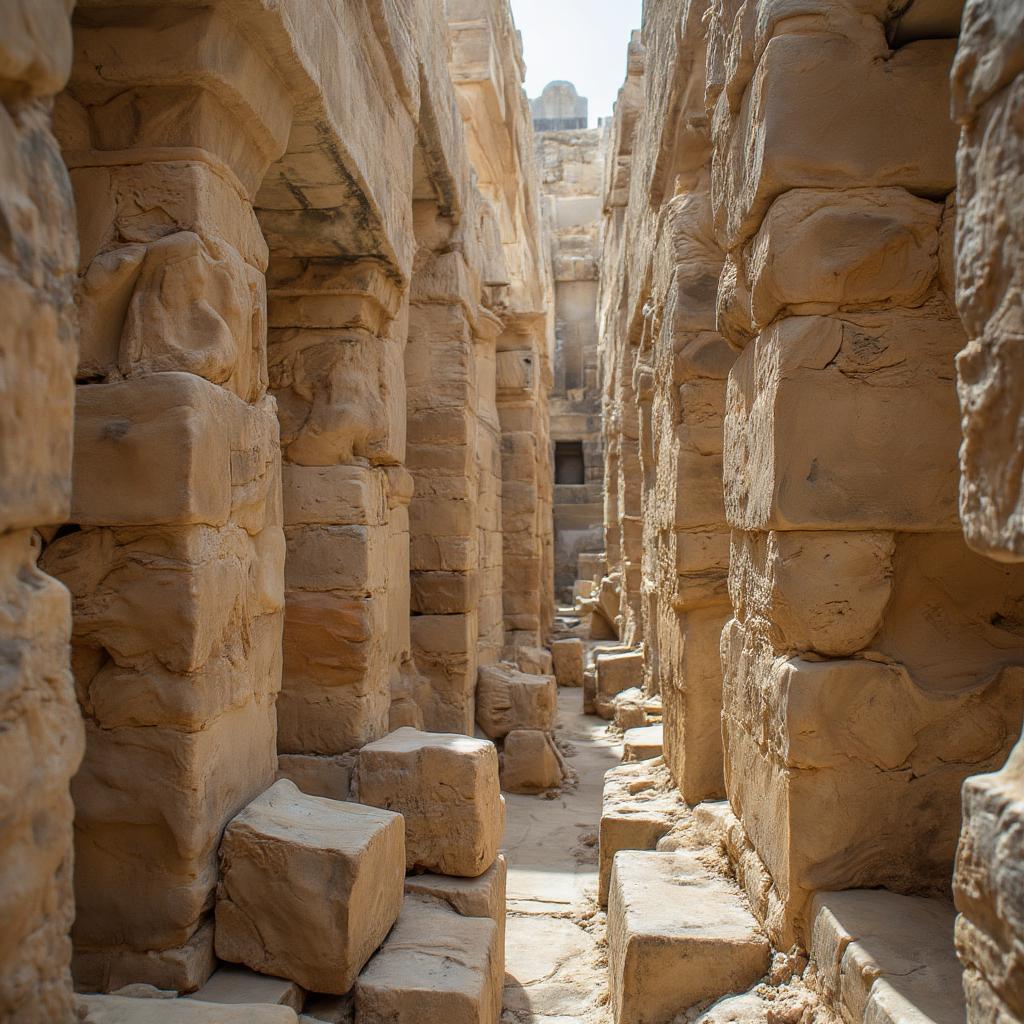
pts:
pixel 677 935
pixel 234 985
pixel 643 743
pixel 569 661
pixel 508 699
pixel 121 1010
pixel 887 958
pixel 638 808
pixel 435 965
pixel 446 789
pixel 309 887
pixel 530 762
pixel 329 777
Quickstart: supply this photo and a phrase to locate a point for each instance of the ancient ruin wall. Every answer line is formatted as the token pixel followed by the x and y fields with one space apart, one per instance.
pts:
pixel 572 172
pixel 41 736
pixel 841 688
pixel 988 99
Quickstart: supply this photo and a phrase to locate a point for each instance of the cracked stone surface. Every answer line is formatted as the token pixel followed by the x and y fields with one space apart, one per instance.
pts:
pixel 556 969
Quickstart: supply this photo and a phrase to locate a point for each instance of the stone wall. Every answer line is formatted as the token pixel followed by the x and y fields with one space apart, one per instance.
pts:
pixel 572 171
pixel 41 735
pixel 781 317
pixel 988 97
pixel 312 296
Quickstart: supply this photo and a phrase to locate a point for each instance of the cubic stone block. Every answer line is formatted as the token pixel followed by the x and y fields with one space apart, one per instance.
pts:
pixel 309 887
pixel 534 661
pixel 126 1010
pixel 436 965
pixel 446 789
pixel 508 699
pixel 644 743
pixel 530 763
pixel 234 985
pixel 618 671
pixel 568 657
pixel 677 935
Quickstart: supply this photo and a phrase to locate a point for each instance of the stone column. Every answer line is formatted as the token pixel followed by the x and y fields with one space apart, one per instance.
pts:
pixel 443 516
pixel 174 552
pixel 41 737
pixel 872 662
pixel 988 103
pixel 336 354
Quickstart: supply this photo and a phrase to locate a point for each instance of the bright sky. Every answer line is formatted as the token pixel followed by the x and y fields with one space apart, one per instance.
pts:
pixel 581 41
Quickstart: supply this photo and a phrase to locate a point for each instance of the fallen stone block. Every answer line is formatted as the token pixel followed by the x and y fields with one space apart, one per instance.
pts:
pixel 530 762
pixel 886 958
pixel 590 692
pixel 123 1010
pixel 535 661
pixel 568 659
pixel 639 806
pixel 309 887
pixel 618 671
pixel 629 711
pixel 643 744
pixel 319 775
pixel 446 788
pixel 508 699
pixel 435 966
pixel 677 935
pixel 229 984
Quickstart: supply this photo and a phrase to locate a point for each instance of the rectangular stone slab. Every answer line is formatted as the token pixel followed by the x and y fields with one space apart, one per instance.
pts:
pixel 677 935
pixel 122 1010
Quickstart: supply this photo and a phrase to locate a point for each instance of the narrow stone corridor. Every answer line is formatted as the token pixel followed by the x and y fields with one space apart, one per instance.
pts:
pixel 555 962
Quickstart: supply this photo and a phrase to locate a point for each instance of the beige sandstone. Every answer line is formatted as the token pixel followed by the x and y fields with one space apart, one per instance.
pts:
pixel 530 762
pixel 229 984
pixel 644 743
pixel 119 1010
pixel 508 699
pixel 446 789
pixel 568 660
pixel 677 935
pixel 435 965
pixel 309 887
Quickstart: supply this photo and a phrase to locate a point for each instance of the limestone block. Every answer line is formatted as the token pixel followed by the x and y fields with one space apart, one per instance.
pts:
pixel 530 762
pixel 508 699
pixel 444 593
pixel 638 807
pixel 319 775
pixel 789 760
pixel 435 965
pixel 887 958
pixel 446 788
pixel 590 691
pixel 445 648
pixel 126 1010
pixel 986 885
pixel 334 495
pixel 568 660
pixel 677 935
pixel 643 743
pixel 880 375
pixel 897 133
pixel 534 661
pixel 309 887
pixel 873 248
pixel 692 701
pixel 334 695
pixel 630 712
pixel 470 897
pixel 41 746
pixel 149 820
pixel 336 558
pixel 234 985
pixel 618 671
pixel 172 449
pixel 814 591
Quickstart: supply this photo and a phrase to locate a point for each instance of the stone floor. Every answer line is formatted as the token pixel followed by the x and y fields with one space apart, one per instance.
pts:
pixel 556 961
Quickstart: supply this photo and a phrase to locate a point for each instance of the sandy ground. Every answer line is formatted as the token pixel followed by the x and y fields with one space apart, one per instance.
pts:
pixel 555 966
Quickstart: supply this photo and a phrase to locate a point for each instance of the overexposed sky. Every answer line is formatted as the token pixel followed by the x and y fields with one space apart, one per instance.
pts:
pixel 582 41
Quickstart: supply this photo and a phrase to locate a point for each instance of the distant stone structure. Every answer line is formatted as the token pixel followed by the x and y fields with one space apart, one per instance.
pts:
pixel 559 108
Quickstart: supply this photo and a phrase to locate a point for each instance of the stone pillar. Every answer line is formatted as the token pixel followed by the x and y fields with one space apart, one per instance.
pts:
pixel 872 662
pixel 336 354
pixel 988 103
pixel 523 377
pixel 41 739
pixel 174 552
pixel 444 518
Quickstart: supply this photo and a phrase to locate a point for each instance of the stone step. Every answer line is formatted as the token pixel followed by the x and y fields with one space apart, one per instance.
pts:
pixel 125 1010
pixel 435 966
pixel 887 959
pixel 643 743
pixel 678 935
pixel 231 984
pixel 639 806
